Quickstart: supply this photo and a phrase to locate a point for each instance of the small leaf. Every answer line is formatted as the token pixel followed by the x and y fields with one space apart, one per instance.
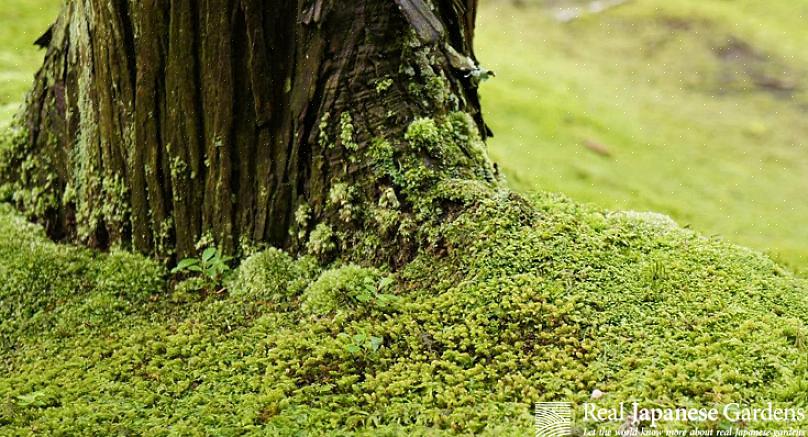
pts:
pixel 386 282
pixel 386 299
pixel 363 297
pixel 185 264
pixel 375 343
pixel 208 254
pixel 352 348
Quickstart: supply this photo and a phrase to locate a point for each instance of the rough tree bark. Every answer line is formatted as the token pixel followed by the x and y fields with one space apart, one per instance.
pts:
pixel 161 125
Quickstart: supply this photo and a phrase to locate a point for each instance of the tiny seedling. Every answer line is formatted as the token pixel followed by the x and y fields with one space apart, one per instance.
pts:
pixel 212 267
pixel 361 343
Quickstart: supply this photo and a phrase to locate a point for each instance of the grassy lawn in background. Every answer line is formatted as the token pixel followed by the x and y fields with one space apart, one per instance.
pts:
pixel 700 105
pixel 21 23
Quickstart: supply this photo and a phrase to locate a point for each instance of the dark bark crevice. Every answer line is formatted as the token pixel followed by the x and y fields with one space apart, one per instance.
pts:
pixel 161 125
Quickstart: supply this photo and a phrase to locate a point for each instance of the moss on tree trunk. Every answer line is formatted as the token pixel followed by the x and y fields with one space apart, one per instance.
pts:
pixel 309 124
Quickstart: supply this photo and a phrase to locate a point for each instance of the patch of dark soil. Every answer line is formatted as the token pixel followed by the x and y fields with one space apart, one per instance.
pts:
pixel 676 23
pixel 742 64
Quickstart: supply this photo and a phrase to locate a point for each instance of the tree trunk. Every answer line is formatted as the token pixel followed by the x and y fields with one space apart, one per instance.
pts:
pixel 165 125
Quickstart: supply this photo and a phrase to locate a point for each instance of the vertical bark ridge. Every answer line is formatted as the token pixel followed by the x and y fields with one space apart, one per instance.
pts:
pixel 86 156
pixel 246 123
pixel 183 130
pixel 162 125
pixel 113 88
pixel 258 63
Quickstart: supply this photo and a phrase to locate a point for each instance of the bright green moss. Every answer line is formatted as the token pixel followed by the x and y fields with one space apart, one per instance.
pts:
pixel 380 154
pixel 383 85
pixel 341 198
pixel 510 302
pixel 179 168
pixel 388 199
pixel 46 284
pixel 115 208
pixel 513 302
pixel 437 88
pixel 163 244
pixel 323 138
pixel 321 240
pixel 69 195
pixel 436 150
pixel 339 195
pixel 272 276
pixel 345 288
pixel 346 132
pixel 205 240
pixel 6 192
pixel 300 227
pixel 28 179
pixel 423 133
pixel 128 275
pixel 303 215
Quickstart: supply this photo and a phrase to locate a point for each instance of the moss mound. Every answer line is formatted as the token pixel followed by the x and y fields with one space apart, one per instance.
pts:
pixel 514 302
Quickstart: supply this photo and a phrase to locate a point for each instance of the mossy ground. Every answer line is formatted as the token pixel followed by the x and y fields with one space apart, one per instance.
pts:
pixel 515 301
pixel 520 301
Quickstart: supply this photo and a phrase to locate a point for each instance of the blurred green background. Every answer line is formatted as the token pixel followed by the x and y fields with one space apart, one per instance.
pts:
pixel 21 23
pixel 693 108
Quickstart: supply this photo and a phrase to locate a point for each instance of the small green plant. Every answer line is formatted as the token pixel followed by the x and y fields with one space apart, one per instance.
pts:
pixel 351 288
pixel 212 267
pixel 361 343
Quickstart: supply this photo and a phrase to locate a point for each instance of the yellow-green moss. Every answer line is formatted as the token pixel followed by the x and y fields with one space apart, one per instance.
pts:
pixel 514 301
pixel 346 134
pixel 321 241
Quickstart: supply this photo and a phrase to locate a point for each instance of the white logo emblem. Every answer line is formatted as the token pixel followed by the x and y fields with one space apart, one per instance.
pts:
pixel 553 419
